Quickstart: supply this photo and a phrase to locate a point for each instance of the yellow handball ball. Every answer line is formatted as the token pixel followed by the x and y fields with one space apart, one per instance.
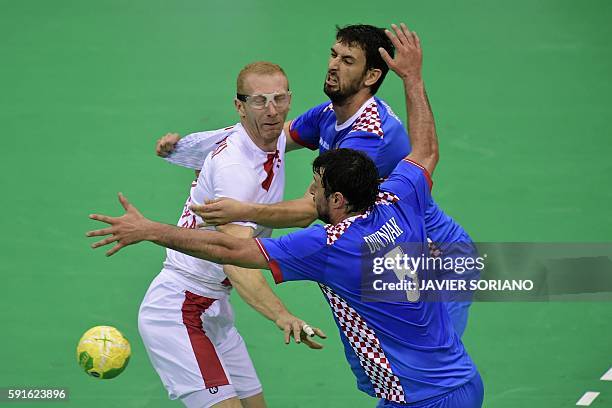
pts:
pixel 103 352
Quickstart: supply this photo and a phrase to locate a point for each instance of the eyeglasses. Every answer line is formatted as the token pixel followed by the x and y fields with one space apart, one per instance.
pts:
pixel 261 101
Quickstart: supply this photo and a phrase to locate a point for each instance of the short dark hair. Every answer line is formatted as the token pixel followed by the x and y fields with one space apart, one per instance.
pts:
pixel 369 39
pixel 351 173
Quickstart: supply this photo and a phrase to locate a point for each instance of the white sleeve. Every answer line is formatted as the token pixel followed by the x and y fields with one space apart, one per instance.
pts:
pixel 236 181
pixel 192 149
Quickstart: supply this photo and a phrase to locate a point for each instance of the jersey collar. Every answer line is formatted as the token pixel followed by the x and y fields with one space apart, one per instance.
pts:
pixel 353 118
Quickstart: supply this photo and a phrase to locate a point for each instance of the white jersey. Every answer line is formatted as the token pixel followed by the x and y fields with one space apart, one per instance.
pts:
pixel 237 169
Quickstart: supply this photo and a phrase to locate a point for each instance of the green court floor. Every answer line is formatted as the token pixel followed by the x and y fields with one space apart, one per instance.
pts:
pixel 521 92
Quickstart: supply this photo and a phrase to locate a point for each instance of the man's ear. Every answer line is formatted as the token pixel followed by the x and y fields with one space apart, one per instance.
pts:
pixel 239 107
pixel 337 201
pixel 372 76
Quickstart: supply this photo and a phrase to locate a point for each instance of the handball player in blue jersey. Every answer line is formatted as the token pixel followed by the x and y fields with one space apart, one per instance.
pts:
pixel 353 118
pixel 404 352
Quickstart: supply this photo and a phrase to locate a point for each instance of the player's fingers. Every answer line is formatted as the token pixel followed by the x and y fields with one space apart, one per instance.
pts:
pixel 386 57
pixel 308 330
pixel 417 40
pixel 114 249
pixel 296 327
pixel 287 332
pixel 105 241
pixel 406 33
pixel 399 34
pixel 313 344
pixel 103 218
pixel 100 232
pixel 320 333
pixel 163 149
pixel 396 43
pixel 208 209
pixel 124 202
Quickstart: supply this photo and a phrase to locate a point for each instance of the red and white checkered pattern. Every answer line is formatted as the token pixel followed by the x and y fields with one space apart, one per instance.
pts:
pixel 334 232
pixel 386 198
pixel 367 347
pixel 369 120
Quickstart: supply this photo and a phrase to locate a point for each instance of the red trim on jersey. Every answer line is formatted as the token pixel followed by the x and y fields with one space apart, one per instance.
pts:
pixel 425 172
pixel 210 366
pixel 274 266
pixel 296 138
pixel 220 148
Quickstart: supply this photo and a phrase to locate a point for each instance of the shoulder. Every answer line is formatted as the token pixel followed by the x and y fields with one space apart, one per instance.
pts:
pixel 369 121
pixel 333 233
pixel 307 241
pixel 387 114
pixel 320 111
pixel 229 161
pixel 231 150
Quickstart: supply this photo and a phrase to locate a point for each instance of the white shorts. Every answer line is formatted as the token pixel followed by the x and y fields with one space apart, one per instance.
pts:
pixel 194 346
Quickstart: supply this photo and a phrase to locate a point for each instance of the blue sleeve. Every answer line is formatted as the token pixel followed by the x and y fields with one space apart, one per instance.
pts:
pixel 368 143
pixel 411 183
pixel 297 256
pixel 305 130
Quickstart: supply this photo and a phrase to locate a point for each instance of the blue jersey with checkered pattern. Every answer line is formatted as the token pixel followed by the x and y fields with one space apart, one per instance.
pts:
pixel 400 345
pixel 377 131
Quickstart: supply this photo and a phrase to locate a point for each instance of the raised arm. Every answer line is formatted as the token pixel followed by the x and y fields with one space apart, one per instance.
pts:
pixel 407 64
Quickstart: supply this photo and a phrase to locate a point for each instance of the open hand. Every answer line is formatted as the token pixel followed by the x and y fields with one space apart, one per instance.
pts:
pixel 408 59
pixel 128 229
pixel 300 331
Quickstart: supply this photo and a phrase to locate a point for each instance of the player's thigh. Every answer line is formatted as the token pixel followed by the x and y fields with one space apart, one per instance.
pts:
pixel 230 403
pixel 255 401
pixel 238 362
pixel 185 358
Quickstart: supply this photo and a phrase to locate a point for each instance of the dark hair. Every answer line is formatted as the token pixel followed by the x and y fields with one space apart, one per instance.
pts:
pixel 369 39
pixel 351 173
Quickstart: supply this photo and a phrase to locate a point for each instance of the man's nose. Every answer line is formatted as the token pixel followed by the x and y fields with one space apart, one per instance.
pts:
pixel 271 109
pixel 332 64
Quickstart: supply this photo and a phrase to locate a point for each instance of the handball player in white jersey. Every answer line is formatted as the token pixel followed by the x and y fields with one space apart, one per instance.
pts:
pixel 185 320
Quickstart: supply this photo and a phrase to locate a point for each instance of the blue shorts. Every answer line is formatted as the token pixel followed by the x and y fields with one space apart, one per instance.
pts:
pixel 469 395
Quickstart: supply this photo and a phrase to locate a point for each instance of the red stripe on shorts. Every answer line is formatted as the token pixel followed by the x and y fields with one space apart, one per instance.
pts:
pixel 205 353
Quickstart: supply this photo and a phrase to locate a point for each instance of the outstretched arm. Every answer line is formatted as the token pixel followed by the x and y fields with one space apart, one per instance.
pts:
pixel 407 64
pixel 294 213
pixel 133 227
